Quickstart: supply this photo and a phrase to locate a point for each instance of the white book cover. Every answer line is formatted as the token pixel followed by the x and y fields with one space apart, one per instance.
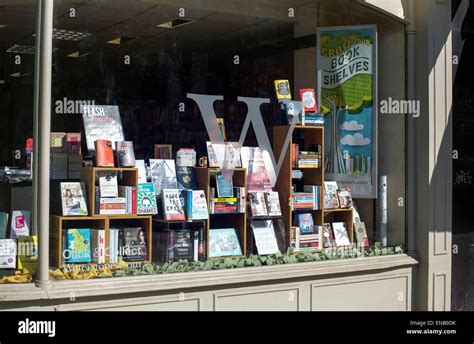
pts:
pixel 186 157
pixel 163 174
pixel 340 234
pixel 330 195
pixel 199 205
pixel 265 238
pixel 20 224
pixel 172 205
pixel 257 204
pixel 108 184
pixel 140 165
pixel 73 196
pixel 113 206
pixel 273 203
pixel 98 245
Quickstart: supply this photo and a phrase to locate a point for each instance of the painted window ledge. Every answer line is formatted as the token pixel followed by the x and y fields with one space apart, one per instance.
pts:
pixel 186 280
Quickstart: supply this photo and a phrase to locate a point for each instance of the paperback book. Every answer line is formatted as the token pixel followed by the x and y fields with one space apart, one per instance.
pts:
pixel 104 153
pixel 125 153
pixel 258 206
pixel 341 237
pixel 146 199
pixel 186 178
pixel 327 235
pixel 361 234
pixel 73 199
pixel 142 175
pixel 224 242
pixel 264 236
pixel 308 97
pixel 257 174
pixel 345 198
pixel 172 206
pixel 98 246
pixel 186 157
pixel 20 223
pixel 134 247
pixel 224 185
pixel 305 223
pixel 79 245
pixel 108 184
pixel 273 203
pixel 163 175
pixel 331 200
pixel 282 89
pixel 196 205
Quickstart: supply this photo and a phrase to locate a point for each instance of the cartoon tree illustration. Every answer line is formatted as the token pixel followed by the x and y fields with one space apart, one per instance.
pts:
pixel 334 160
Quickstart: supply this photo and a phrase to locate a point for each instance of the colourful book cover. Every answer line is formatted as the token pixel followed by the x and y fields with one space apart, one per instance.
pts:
pixel 257 174
pixel 224 242
pixel 79 245
pixel 146 199
pixel 224 185
pixel 125 153
pixel 172 205
pixel 308 97
pixel 73 197
pixel 104 153
pixel 186 178
pixel 282 89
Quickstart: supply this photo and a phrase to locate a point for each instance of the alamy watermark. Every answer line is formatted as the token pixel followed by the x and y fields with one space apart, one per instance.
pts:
pixel 67 106
pixel 400 107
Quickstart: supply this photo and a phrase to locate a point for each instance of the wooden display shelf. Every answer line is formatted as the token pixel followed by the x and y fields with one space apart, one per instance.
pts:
pixel 89 175
pixel 61 223
pixel 236 220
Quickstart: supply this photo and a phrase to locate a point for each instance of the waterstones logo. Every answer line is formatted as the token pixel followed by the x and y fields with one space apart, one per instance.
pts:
pixel 67 106
pixel 37 327
pixel 400 107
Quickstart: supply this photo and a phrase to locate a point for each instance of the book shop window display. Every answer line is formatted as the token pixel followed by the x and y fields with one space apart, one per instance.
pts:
pixel 229 141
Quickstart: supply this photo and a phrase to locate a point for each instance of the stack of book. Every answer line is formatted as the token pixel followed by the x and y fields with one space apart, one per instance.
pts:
pixel 179 244
pixel 317 196
pixel 130 195
pixel 306 242
pixel 303 200
pixel 309 159
pixel 66 157
pixel 112 199
pixel 226 205
pixel 128 244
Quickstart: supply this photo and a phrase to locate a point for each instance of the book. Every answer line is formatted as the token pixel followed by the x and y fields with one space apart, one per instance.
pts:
pixel 361 234
pixel 125 153
pixel 196 205
pixel 57 142
pixel 98 246
pixel 224 185
pixel 27 253
pixel 308 97
pixel 220 123
pixel 3 225
pixel 224 242
pixel 264 236
pixel 282 89
pixel 164 152
pixel 232 155
pixel 104 153
pixel 20 223
pixel 328 238
pixel 294 238
pixel 186 178
pixel 257 174
pixel 134 245
pixel 163 175
pixel 330 195
pixel 130 195
pixel 305 223
pixel 108 184
pixel 172 206
pixel 316 191
pixel 341 237
pixel 113 206
pixel 142 177
pixel 8 253
pixel 73 141
pixel 73 196
pixel 79 245
pixel 294 110
pixel 272 200
pixel 146 199
pixel 223 155
pixel 345 198
pixel 258 206
pixel 101 122
pixel 174 245
pixel 186 157
pixel 74 165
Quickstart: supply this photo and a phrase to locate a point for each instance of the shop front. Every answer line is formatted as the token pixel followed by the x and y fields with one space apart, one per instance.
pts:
pixel 226 155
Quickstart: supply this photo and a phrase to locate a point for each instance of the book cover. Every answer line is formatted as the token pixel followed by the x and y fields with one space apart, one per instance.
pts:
pixel 345 198
pixel 101 122
pixel 305 223
pixel 3 225
pixel 146 199
pixel 8 253
pixel 20 223
pixel 73 197
pixel 282 89
pixel 108 184
pixel 142 175
pixel 73 141
pixel 186 157
pixel 163 175
pixel 186 178
pixel 57 142
pixel 125 153
pixel 196 205
pixel 341 237
pixel 224 185
pixel 98 246
pixel 224 242
pixel 328 238
pixel 223 155
pixel 104 153
pixel 257 174
pixel 294 110
pixel 264 236
pixel 361 234
pixel 79 245
pixel 330 195
pixel 134 244
pixel 172 206
pixel 113 206
pixel 183 245
pixel 272 199
pixel 258 205
pixel 308 97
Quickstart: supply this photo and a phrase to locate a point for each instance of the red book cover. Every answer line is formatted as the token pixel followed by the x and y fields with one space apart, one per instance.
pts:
pixel 134 201
pixel 308 97
pixel 104 153
pixel 73 143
